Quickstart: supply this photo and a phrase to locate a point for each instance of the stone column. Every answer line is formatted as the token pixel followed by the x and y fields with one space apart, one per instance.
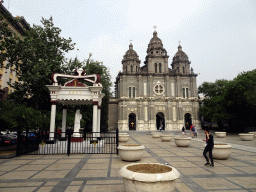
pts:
pixel 98 123
pixel 64 118
pixel 52 122
pixel 95 118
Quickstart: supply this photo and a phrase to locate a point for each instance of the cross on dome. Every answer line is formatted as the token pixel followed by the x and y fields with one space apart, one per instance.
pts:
pixel 155 28
pixel 179 42
pixel 130 41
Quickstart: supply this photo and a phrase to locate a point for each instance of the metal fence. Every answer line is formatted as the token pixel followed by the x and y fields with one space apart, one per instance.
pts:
pixel 47 143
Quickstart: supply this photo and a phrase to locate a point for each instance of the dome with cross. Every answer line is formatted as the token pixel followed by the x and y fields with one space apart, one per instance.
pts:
pixel 155 42
pixel 130 54
pixel 180 55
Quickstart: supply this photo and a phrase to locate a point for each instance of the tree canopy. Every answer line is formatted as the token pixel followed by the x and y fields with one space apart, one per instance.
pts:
pixel 35 56
pixel 230 100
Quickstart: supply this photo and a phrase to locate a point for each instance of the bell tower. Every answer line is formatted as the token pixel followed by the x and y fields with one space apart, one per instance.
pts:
pixel 157 58
pixel 131 62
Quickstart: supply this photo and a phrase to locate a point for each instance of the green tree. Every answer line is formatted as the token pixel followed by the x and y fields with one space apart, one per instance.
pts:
pixel 35 57
pixel 230 100
pixel 213 108
pixel 17 116
pixel 105 80
pixel 240 99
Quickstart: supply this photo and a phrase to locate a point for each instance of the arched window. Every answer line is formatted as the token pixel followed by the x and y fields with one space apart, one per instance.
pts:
pixel 160 68
pixel 131 68
pixel 178 70
pixel 183 70
pixel 155 67
pixel 126 69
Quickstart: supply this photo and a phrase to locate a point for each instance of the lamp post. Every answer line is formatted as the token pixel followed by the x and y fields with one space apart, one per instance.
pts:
pixel 88 60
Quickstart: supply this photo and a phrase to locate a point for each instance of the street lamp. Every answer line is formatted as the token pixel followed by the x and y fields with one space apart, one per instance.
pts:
pixel 90 54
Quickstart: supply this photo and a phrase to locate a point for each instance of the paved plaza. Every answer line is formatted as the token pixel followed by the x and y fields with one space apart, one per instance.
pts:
pixel 100 172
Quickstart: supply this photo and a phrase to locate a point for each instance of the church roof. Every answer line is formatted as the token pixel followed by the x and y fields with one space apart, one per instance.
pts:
pixel 155 42
pixel 155 39
pixel 180 55
pixel 131 54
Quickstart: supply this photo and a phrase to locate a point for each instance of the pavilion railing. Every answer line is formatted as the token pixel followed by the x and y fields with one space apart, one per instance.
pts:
pixel 41 143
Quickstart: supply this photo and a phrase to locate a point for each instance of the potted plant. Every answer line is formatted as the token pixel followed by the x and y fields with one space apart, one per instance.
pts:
pixel 166 137
pixel 131 152
pixel 221 151
pixel 246 136
pixel 220 134
pixel 182 141
pixel 141 177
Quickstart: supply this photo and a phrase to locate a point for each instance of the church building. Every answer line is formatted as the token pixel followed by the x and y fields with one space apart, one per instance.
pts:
pixel 153 95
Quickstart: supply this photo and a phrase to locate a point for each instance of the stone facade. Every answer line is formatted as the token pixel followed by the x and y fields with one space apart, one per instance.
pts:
pixel 154 95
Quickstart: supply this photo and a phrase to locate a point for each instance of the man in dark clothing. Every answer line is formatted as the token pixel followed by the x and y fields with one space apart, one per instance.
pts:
pixel 208 148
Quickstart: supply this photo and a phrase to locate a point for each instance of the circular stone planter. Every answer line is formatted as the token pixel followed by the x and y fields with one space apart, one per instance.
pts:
pixel 253 133
pixel 123 137
pixel 246 136
pixel 182 141
pixel 221 151
pixel 131 152
pixel 155 134
pixel 166 137
pixel 221 134
pixel 142 177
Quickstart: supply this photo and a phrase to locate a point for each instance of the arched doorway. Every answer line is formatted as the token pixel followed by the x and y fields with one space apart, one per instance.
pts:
pixel 132 121
pixel 160 120
pixel 188 121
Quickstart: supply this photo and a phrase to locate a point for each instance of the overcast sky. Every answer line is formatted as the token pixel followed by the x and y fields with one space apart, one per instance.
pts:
pixel 219 36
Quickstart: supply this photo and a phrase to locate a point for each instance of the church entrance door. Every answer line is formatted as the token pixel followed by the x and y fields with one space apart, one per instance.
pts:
pixel 188 121
pixel 160 121
pixel 132 121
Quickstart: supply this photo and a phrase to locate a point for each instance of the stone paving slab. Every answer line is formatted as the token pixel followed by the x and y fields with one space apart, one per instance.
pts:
pixel 100 172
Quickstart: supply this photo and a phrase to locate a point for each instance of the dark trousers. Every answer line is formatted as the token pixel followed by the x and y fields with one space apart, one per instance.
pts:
pixel 208 149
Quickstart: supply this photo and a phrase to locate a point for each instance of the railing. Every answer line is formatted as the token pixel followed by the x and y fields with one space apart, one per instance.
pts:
pixel 73 143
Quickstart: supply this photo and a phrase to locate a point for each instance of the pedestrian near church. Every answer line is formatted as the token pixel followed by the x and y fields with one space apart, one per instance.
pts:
pixel 208 148
pixel 160 128
pixel 183 130
pixel 192 128
pixel 195 131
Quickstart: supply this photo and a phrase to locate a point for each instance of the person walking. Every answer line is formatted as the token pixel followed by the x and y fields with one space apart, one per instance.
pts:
pixel 195 131
pixel 192 128
pixel 208 148
pixel 183 130
pixel 160 128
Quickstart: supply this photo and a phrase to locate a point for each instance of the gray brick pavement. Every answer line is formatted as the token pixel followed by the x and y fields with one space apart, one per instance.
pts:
pixel 100 172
